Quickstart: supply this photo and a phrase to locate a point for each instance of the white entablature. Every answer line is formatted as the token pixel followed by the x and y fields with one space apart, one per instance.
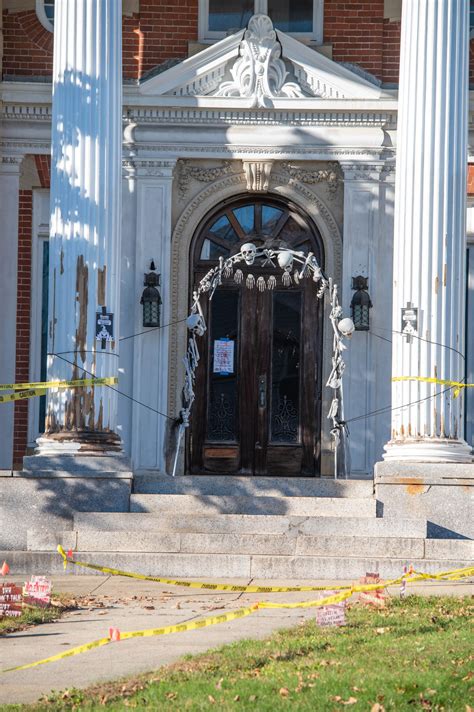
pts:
pixel 259 66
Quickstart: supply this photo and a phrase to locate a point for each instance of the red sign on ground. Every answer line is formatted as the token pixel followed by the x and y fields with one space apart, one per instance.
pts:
pixel 11 600
pixel 377 596
pixel 332 615
pixel 37 591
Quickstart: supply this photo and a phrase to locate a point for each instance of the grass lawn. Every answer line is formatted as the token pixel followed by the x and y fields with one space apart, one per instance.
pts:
pixel 417 654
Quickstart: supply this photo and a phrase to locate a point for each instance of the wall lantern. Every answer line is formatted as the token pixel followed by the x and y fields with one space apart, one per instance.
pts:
pixel 151 298
pixel 361 303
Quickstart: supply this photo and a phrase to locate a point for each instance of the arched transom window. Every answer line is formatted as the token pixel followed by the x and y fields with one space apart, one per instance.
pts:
pixel 261 221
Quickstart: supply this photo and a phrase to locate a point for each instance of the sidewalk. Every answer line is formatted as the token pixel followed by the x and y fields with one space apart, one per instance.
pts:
pixel 135 605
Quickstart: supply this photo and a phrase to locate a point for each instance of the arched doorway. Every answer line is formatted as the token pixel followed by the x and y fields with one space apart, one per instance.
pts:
pixel 258 384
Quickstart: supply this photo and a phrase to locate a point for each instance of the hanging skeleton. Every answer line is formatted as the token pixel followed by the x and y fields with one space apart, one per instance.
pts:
pixel 300 266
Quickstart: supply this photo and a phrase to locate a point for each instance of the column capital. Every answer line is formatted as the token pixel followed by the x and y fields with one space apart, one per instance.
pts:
pixel 11 164
pixel 160 168
pixel 373 172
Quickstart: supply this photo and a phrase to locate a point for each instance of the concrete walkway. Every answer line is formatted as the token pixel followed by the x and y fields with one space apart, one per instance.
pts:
pixel 135 605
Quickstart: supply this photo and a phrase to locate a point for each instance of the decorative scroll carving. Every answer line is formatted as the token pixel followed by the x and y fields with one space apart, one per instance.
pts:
pixel 257 174
pixel 186 171
pixel 331 175
pixel 259 73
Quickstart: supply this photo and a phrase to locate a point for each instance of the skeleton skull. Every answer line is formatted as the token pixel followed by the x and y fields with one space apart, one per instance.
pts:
pixel 249 252
pixel 346 327
pixel 285 259
pixel 196 324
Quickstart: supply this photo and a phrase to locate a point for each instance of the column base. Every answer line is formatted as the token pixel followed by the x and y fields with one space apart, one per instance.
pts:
pixel 441 493
pixel 428 450
pixel 78 442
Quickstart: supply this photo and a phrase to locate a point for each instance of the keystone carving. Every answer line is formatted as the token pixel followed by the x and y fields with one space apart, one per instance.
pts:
pixel 257 174
pixel 259 73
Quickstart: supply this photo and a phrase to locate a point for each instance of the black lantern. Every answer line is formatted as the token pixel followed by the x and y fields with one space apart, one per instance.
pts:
pixel 361 304
pixel 151 298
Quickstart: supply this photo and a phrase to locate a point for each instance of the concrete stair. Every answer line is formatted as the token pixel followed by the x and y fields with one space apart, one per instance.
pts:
pixel 250 528
pixel 226 485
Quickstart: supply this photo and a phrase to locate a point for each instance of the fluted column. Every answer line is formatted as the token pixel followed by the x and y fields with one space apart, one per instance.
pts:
pixel 429 249
pixel 85 219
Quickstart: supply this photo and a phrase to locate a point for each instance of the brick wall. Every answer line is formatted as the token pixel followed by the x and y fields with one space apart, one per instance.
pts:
pixel 22 372
pixel 391 51
pixel 356 32
pixel 470 179
pixel 27 45
pixel 43 166
pixel 161 31
pixel 167 25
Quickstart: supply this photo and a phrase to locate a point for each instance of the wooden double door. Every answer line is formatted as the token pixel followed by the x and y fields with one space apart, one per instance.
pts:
pixel 258 384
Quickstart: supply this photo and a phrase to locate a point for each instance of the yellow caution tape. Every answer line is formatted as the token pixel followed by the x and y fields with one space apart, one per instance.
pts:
pixel 65 654
pixel 454 574
pixel 196 584
pixel 40 388
pixel 22 395
pixel 180 628
pixel 59 384
pixel 460 573
pixel 329 600
pixel 457 385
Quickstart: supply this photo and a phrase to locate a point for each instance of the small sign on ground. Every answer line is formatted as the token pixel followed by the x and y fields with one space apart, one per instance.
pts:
pixel 332 615
pixel 11 600
pixel 37 591
pixel 377 596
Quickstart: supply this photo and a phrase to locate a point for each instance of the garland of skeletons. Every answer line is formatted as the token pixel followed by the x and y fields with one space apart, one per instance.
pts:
pixel 302 266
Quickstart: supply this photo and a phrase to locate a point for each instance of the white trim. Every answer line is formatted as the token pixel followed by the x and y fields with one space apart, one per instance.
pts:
pixel 42 17
pixel 39 234
pixel 260 6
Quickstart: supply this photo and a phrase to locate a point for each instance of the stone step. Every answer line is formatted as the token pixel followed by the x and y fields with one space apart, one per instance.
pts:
pixel 253 486
pixel 298 506
pixel 76 466
pixel 228 566
pixel 250 524
pixel 292 544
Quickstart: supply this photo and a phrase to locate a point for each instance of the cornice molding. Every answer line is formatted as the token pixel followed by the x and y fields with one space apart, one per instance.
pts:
pixel 297 116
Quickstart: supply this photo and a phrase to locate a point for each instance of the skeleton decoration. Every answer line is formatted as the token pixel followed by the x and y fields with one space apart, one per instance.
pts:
pixel 303 266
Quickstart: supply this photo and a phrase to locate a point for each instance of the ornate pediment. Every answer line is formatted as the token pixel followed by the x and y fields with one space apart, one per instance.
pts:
pixel 258 67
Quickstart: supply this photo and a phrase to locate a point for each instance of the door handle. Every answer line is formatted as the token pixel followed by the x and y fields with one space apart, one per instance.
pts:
pixel 262 391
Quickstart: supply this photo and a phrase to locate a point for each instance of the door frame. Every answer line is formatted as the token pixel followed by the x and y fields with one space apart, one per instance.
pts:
pixel 312 349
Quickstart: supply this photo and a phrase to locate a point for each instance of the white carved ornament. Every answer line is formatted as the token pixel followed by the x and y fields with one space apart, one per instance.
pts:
pixel 259 73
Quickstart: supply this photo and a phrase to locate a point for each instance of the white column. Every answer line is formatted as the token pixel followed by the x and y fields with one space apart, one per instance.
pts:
pixel 85 218
pixel 368 236
pixel 9 198
pixel 151 349
pixel 429 250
